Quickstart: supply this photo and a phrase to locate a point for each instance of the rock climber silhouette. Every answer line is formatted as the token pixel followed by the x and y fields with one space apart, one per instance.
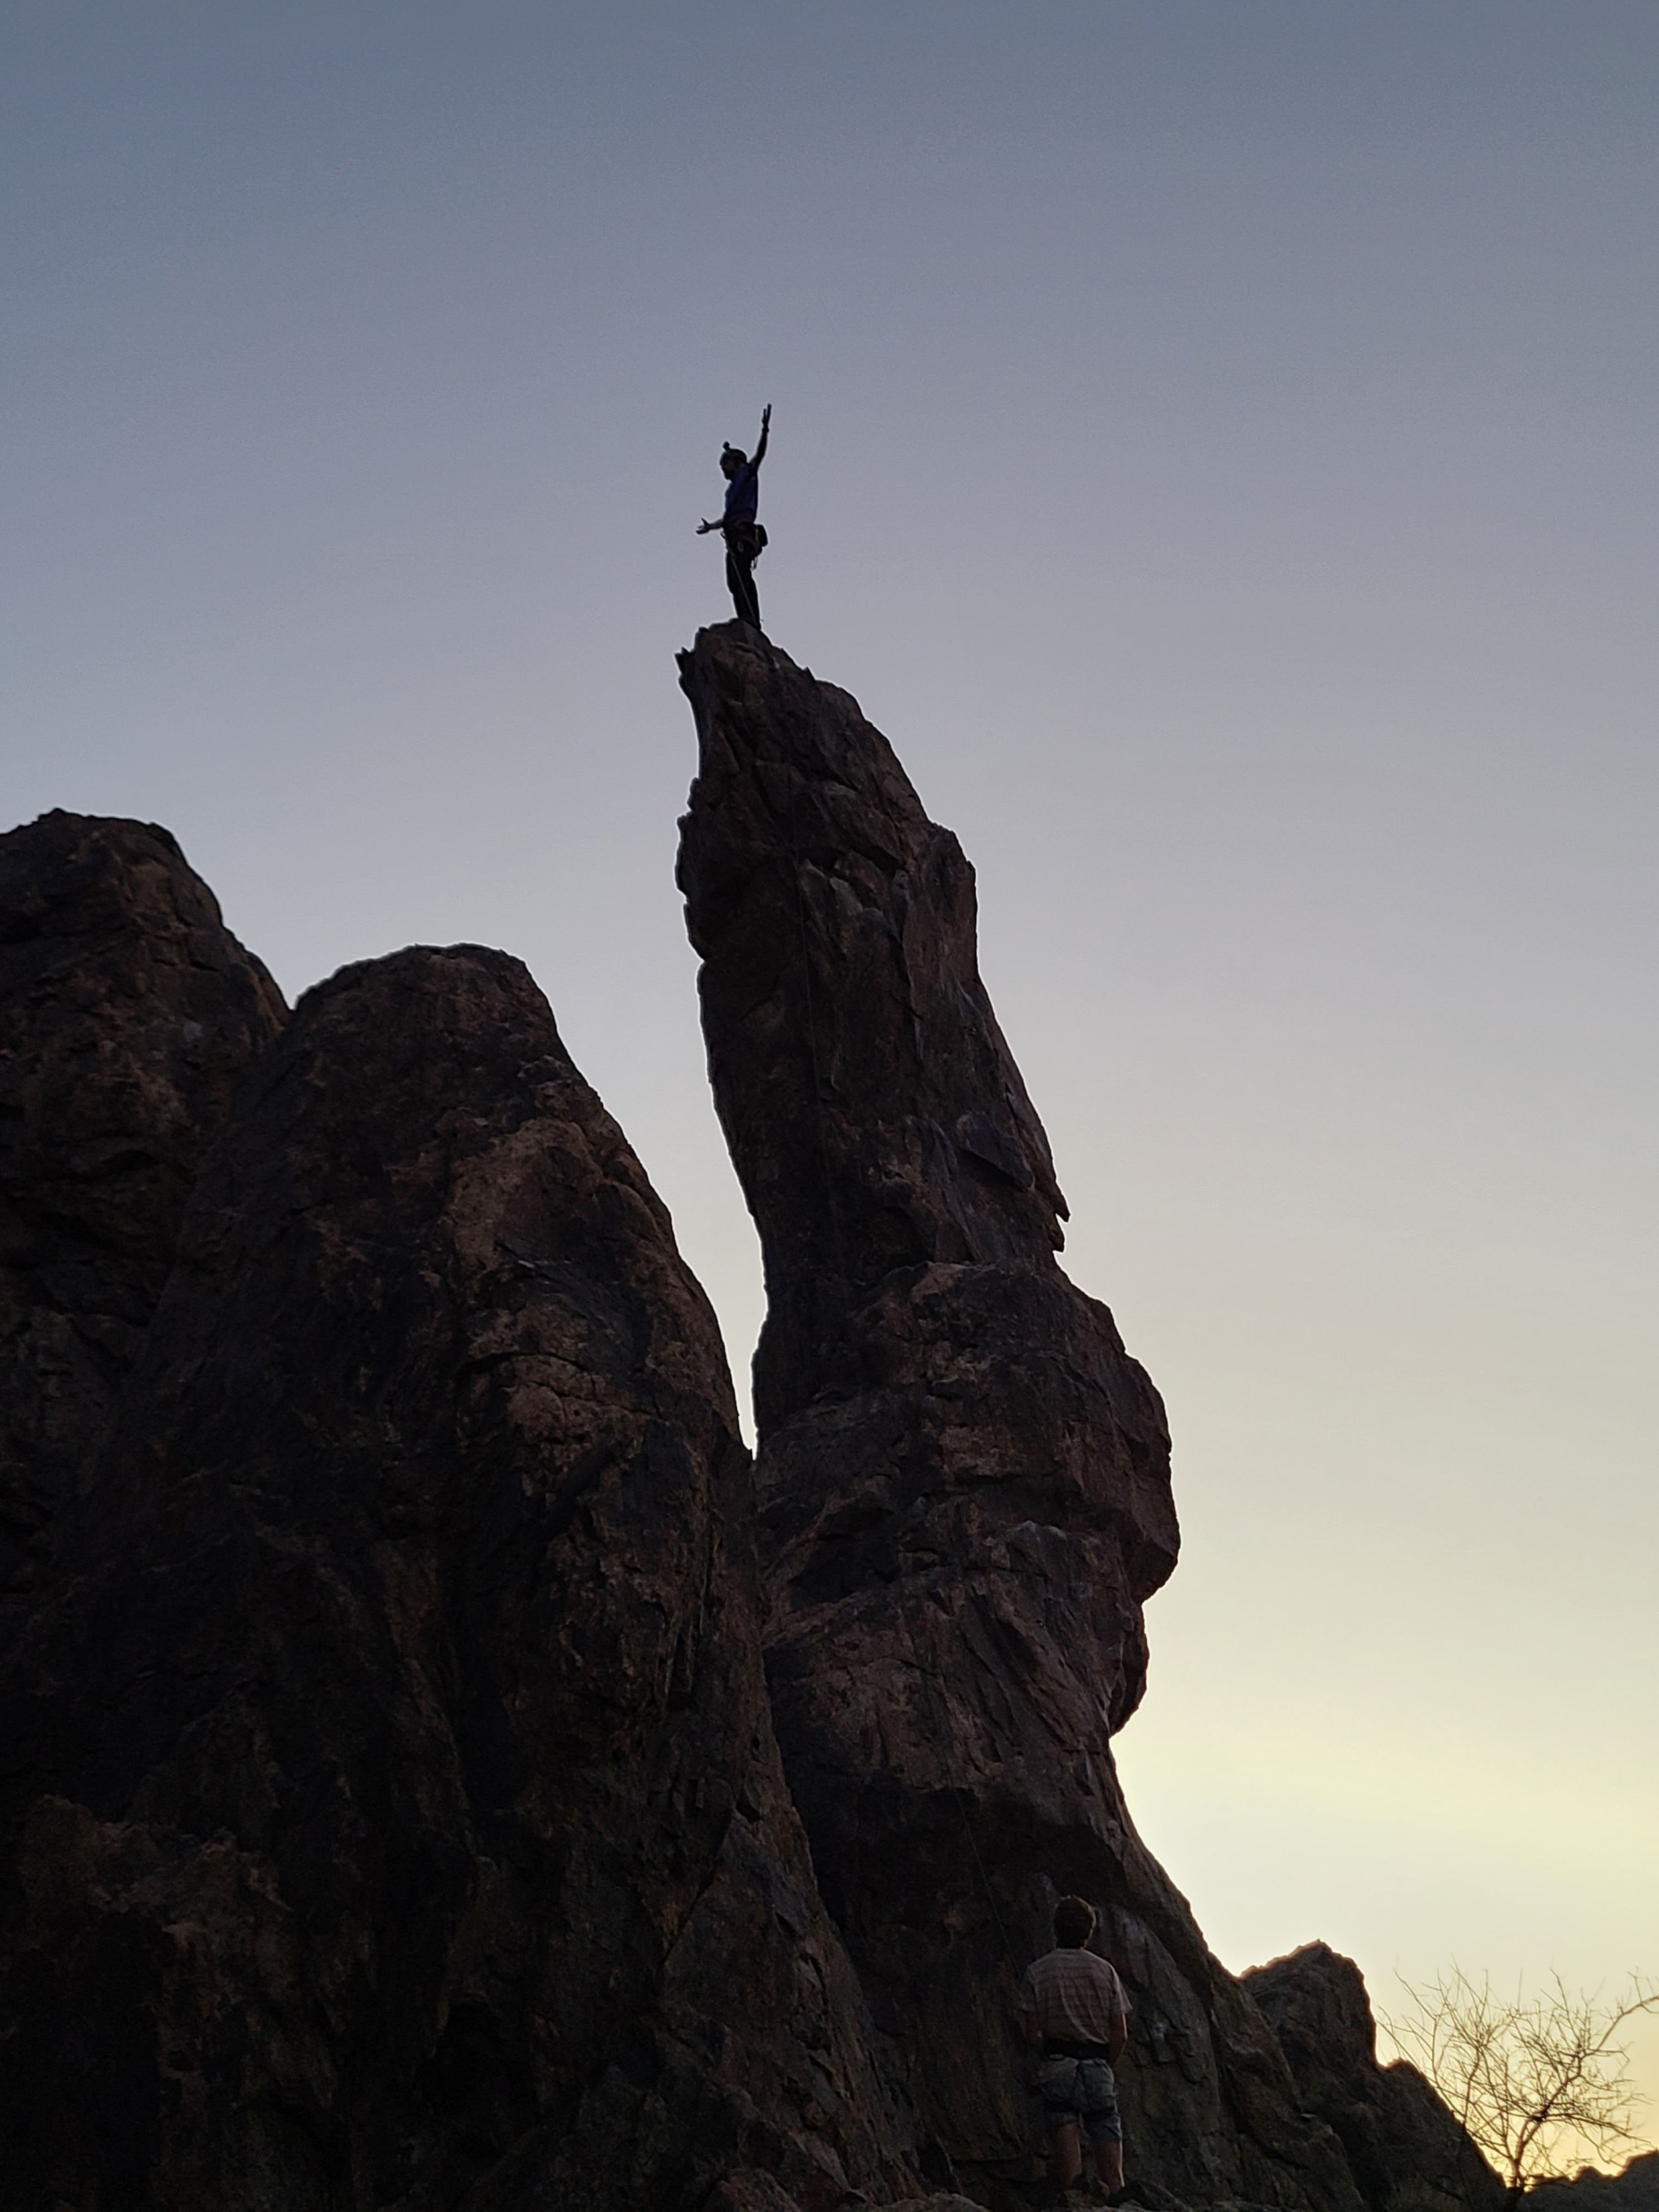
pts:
pixel 745 538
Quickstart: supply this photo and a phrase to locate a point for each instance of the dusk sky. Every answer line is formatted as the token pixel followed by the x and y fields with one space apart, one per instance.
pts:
pixel 1216 440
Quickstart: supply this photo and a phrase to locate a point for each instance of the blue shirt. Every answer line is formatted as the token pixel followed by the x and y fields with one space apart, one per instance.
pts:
pixel 743 494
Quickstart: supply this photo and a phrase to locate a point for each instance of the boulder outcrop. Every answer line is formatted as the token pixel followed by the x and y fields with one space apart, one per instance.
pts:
pixel 1406 2150
pixel 128 1014
pixel 962 1477
pixel 391 1815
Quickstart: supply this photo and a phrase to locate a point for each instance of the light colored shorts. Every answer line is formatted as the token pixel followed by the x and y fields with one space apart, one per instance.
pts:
pixel 1080 2090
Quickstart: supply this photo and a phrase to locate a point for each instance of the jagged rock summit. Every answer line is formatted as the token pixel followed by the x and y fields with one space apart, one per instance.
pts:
pixel 438 1772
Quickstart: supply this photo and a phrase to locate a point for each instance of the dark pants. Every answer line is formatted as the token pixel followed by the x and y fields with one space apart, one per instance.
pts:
pixel 742 546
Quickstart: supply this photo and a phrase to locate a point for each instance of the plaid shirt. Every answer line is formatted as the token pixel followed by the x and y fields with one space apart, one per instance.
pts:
pixel 1074 1997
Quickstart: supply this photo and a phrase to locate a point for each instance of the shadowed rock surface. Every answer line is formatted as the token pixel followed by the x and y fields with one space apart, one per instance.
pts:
pixel 128 1014
pixel 392 1815
pixel 963 1479
pixel 1407 2151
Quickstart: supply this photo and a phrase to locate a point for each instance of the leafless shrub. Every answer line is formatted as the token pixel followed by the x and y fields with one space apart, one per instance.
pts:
pixel 1538 2081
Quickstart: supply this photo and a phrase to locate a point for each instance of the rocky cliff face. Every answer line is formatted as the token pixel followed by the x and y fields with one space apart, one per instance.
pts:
pixel 391 1813
pixel 414 1712
pixel 964 1478
pixel 128 1014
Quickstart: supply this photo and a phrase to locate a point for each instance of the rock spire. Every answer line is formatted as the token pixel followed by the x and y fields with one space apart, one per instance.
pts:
pixel 964 1478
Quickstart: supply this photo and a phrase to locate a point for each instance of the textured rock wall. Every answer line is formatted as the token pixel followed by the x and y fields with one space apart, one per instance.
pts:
pixel 391 1815
pixel 963 1479
pixel 128 1014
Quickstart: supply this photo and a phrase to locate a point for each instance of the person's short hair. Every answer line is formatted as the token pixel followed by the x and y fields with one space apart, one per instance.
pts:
pixel 730 453
pixel 1075 1921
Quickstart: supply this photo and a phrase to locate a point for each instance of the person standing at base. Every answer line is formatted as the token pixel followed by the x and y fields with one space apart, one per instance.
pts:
pixel 745 538
pixel 1074 2010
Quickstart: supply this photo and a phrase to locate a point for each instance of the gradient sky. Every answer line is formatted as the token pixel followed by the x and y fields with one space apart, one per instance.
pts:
pixel 1216 440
